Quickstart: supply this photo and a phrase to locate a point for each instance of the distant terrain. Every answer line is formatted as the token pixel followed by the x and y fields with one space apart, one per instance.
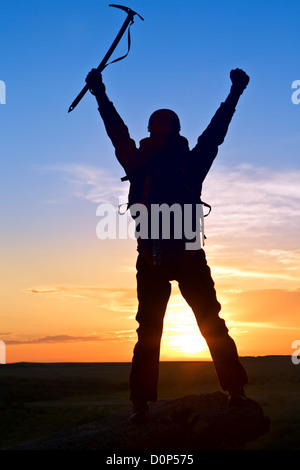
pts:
pixel 38 399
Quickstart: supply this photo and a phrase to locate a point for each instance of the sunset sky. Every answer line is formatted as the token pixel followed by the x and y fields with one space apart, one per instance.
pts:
pixel 65 294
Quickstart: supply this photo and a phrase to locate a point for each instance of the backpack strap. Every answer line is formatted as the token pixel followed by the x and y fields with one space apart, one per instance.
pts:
pixel 126 178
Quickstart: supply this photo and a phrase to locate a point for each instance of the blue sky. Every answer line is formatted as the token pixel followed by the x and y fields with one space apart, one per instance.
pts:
pixel 56 167
pixel 181 57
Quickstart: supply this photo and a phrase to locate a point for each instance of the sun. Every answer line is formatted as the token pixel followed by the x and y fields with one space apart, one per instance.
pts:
pixel 189 342
pixel 182 336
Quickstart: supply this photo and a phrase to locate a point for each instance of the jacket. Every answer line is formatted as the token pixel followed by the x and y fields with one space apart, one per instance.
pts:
pixel 171 175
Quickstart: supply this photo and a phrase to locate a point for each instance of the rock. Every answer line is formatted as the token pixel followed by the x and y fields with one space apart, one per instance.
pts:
pixel 196 422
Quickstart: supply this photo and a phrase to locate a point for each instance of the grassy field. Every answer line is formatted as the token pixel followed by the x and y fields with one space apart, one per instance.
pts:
pixel 39 399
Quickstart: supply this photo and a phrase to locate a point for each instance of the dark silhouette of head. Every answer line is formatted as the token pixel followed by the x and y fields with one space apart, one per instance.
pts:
pixel 164 121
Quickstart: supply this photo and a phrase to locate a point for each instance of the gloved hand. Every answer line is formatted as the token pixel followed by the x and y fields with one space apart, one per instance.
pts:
pixel 94 82
pixel 239 80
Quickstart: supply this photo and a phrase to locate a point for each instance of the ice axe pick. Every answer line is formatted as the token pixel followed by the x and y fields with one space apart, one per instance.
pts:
pixel 102 65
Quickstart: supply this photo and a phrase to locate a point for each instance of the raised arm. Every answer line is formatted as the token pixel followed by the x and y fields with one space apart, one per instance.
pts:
pixel 125 147
pixel 218 127
pixel 207 146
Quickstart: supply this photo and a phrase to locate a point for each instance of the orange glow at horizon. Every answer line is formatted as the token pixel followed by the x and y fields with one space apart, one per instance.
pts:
pixel 181 338
pixel 74 298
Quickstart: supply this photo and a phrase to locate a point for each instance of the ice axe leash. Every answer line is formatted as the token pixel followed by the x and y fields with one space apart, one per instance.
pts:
pixel 128 22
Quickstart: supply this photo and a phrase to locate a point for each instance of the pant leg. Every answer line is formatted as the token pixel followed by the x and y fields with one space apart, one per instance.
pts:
pixel 197 287
pixel 153 290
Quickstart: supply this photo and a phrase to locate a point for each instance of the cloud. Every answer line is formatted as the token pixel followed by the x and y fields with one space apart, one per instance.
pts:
pixel 253 229
pixel 83 290
pixel 42 291
pixel 111 298
pixel 263 325
pixel 288 259
pixel 236 272
pixel 107 336
pixel 253 203
pixel 247 268
pixel 256 314
pixel 90 183
pixel 273 308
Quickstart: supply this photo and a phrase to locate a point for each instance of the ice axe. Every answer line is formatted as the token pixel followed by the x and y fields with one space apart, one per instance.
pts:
pixel 103 64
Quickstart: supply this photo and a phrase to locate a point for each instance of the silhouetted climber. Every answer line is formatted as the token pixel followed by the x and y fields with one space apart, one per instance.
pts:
pixel 164 170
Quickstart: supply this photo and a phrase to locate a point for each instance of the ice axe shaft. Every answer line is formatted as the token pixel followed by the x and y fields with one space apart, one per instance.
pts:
pixel 101 66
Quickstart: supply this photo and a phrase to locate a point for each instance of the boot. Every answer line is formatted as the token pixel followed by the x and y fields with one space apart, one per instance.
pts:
pixel 237 397
pixel 140 412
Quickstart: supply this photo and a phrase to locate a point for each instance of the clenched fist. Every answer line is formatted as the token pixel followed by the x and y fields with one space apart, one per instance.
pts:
pixel 94 82
pixel 239 80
